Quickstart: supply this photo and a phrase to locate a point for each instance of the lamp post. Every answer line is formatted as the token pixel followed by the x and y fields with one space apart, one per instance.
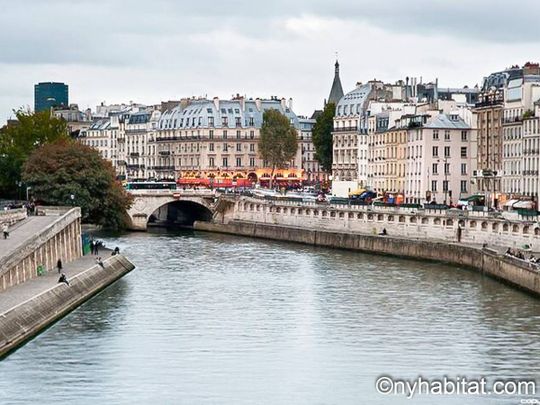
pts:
pixel 72 197
pixel 19 185
pixel 27 193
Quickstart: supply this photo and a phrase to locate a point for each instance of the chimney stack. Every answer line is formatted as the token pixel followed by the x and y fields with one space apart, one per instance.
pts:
pixel 216 103
pixel 283 103
pixel 290 104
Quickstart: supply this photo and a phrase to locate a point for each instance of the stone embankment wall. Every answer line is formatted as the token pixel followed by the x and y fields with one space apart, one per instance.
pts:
pixel 30 317
pixel 59 240
pixel 486 261
pixel 12 216
pixel 476 228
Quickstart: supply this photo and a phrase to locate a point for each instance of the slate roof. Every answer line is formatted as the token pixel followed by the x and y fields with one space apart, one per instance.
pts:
pixel 336 92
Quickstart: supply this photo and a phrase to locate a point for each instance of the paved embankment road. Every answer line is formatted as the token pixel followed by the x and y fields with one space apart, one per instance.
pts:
pixel 22 292
pixel 26 309
pixel 22 231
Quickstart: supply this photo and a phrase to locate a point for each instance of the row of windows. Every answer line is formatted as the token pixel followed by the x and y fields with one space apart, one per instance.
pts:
pixel 225 162
pixel 226 147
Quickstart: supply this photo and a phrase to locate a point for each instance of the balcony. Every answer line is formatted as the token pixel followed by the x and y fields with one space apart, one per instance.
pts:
pixel 167 138
pixel 163 168
pixel 134 154
pixel 346 129
pixel 134 167
pixel 530 172
pixel 512 120
pixel 164 152
pixel 531 151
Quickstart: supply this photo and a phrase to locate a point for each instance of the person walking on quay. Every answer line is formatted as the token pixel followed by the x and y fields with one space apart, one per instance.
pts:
pixel 5 230
pixel 59 266
pixel 459 230
pixel 96 248
pixel 92 246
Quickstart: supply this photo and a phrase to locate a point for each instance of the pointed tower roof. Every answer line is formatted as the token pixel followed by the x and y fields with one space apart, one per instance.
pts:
pixel 337 91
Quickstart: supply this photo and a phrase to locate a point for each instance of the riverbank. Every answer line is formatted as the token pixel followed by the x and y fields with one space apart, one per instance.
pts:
pixel 511 271
pixel 28 308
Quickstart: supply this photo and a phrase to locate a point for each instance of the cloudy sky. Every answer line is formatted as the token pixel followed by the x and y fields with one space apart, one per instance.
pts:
pixel 148 51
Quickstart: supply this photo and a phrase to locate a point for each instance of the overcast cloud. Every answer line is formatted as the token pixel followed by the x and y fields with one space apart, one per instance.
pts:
pixel 148 51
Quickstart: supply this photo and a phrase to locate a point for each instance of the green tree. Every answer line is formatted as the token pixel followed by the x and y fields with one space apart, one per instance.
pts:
pixel 19 140
pixel 278 142
pixel 322 137
pixel 65 168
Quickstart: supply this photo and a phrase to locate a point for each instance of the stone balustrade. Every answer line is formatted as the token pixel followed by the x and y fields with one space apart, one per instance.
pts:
pixel 476 227
pixel 12 216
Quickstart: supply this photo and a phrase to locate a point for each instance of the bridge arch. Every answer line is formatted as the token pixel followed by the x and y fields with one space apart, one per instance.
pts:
pixel 179 213
pixel 169 209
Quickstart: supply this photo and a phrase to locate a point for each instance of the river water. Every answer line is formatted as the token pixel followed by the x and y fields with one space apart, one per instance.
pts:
pixel 215 319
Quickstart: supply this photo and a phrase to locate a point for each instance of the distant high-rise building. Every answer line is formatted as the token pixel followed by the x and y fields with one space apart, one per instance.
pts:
pixel 50 94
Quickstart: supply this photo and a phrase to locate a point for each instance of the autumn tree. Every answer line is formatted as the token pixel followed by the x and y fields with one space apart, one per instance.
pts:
pixel 322 137
pixel 68 173
pixel 19 140
pixel 278 142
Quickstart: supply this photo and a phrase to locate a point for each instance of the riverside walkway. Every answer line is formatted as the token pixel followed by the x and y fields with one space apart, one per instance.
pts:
pixel 22 231
pixel 20 293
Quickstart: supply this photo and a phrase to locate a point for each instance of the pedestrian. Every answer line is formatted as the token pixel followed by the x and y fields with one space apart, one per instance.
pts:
pixel 5 230
pixel 100 262
pixel 459 230
pixel 92 246
pixel 59 266
pixel 63 279
pixel 96 248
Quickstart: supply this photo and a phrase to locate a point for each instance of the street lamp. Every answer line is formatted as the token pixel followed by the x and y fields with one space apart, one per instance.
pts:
pixel 72 197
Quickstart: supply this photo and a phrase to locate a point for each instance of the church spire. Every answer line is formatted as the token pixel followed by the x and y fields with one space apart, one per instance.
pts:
pixel 336 92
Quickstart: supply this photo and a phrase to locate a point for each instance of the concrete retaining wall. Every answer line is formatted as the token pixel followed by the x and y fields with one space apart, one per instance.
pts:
pixel 59 240
pixel 511 271
pixel 476 227
pixel 30 317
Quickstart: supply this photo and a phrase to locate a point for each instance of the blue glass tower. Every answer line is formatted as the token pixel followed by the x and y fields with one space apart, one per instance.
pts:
pixel 50 94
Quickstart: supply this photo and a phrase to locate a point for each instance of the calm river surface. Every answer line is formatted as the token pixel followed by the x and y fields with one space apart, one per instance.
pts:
pixel 214 319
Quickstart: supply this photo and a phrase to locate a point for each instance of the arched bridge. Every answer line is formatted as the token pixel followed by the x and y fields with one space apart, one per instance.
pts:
pixel 171 207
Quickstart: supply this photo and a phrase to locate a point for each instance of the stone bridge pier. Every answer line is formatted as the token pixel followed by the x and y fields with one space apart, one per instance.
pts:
pixel 170 206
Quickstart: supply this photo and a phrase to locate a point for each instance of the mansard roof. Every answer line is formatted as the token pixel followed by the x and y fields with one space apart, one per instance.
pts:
pixel 236 113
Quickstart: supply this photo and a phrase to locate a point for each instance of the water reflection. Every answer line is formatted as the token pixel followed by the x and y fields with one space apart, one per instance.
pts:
pixel 216 319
